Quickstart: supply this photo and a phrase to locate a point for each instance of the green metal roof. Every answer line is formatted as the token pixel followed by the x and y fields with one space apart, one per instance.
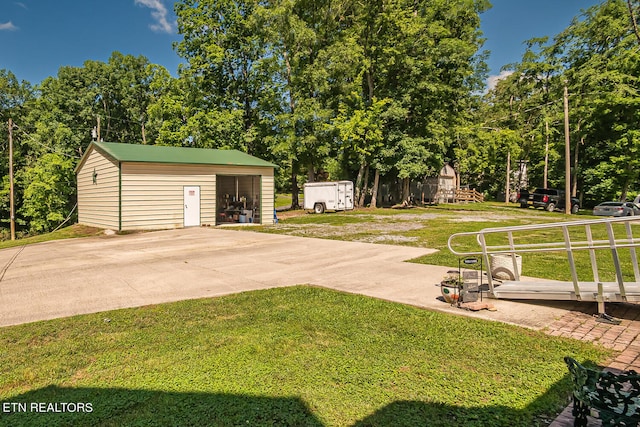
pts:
pixel 177 155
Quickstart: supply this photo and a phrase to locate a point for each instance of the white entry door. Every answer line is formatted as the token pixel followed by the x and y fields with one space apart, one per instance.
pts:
pixel 191 206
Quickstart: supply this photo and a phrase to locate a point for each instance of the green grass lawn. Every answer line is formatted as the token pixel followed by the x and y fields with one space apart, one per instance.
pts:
pixel 300 356
pixel 64 233
pixel 284 200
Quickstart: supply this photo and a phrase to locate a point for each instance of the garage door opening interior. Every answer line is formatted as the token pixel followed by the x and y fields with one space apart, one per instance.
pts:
pixel 238 199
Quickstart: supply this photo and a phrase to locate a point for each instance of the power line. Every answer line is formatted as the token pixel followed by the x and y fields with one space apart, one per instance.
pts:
pixel 51 149
pixel 537 107
pixel 66 219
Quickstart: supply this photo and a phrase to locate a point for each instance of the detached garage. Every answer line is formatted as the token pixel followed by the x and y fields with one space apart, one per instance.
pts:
pixel 137 187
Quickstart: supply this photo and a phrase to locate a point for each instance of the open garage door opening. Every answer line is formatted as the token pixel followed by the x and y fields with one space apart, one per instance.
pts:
pixel 238 199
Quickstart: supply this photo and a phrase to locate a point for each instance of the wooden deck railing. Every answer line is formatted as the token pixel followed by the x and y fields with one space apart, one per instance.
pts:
pixel 465 195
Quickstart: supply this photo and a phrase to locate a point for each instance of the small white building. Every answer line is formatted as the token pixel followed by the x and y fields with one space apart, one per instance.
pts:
pixel 134 187
pixel 441 189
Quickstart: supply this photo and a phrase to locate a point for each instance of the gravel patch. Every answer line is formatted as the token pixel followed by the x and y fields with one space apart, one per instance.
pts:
pixel 403 217
pixel 391 239
pixel 331 230
pixel 389 229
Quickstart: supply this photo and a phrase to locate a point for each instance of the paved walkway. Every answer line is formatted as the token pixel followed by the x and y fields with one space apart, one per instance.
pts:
pixel 624 338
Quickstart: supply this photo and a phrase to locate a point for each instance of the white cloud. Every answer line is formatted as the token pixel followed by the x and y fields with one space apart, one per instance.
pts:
pixel 492 81
pixel 8 26
pixel 159 13
pixel 22 5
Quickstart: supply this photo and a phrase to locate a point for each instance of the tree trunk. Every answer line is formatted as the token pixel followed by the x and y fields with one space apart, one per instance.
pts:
pixel 406 186
pixel 365 187
pixel 546 155
pixel 633 20
pixel 374 190
pixel 625 186
pixel 311 173
pixel 295 202
pixel 105 109
pixel 507 189
pixel 574 179
pixel 359 181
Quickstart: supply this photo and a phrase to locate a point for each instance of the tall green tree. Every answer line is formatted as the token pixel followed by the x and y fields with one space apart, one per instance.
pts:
pixel 15 97
pixel 528 105
pixel 225 49
pixel 49 191
pixel 298 34
pixel 57 128
pixel 602 60
pixel 421 57
pixel 291 65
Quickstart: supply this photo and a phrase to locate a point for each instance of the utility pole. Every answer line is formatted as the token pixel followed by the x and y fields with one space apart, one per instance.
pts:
pixel 546 154
pixel 99 140
pixel 12 207
pixel 567 155
pixel 507 196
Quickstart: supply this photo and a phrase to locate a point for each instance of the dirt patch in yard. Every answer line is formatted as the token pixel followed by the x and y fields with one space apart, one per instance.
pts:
pixel 385 229
pixel 382 230
pixel 449 215
pixel 389 239
pixel 396 227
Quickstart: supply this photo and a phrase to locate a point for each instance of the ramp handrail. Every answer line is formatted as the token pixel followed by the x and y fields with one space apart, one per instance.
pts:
pixel 561 244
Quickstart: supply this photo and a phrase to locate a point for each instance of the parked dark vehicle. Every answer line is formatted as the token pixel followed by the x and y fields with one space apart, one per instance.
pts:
pixel 546 198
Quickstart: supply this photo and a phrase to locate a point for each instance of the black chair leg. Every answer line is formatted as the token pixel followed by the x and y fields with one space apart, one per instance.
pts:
pixel 580 412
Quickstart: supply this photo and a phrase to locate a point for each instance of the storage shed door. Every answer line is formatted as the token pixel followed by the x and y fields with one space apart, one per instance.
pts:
pixel 191 206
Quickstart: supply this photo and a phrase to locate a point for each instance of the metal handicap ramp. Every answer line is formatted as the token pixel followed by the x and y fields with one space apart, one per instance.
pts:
pixel 599 256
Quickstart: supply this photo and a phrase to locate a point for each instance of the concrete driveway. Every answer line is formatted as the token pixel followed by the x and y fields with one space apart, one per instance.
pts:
pixel 78 276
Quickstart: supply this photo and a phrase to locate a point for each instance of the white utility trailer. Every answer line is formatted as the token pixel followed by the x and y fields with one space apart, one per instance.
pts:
pixel 332 196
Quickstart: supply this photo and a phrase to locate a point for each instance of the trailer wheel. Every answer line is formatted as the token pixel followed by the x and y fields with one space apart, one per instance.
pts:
pixel 575 209
pixel 551 207
pixel 318 208
pixel 524 205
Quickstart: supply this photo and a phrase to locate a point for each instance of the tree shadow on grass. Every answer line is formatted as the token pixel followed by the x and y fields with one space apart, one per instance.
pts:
pixel 61 406
pixel 418 413
pixel 433 414
pixel 57 406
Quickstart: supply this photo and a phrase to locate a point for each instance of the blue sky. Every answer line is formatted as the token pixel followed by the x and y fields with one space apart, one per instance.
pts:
pixel 39 36
pixel 510 22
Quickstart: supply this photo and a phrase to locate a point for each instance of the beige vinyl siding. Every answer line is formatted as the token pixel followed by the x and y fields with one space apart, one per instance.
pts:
pixel 153 195
pixel 98 202
pixel 240 170
pixel 268 196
